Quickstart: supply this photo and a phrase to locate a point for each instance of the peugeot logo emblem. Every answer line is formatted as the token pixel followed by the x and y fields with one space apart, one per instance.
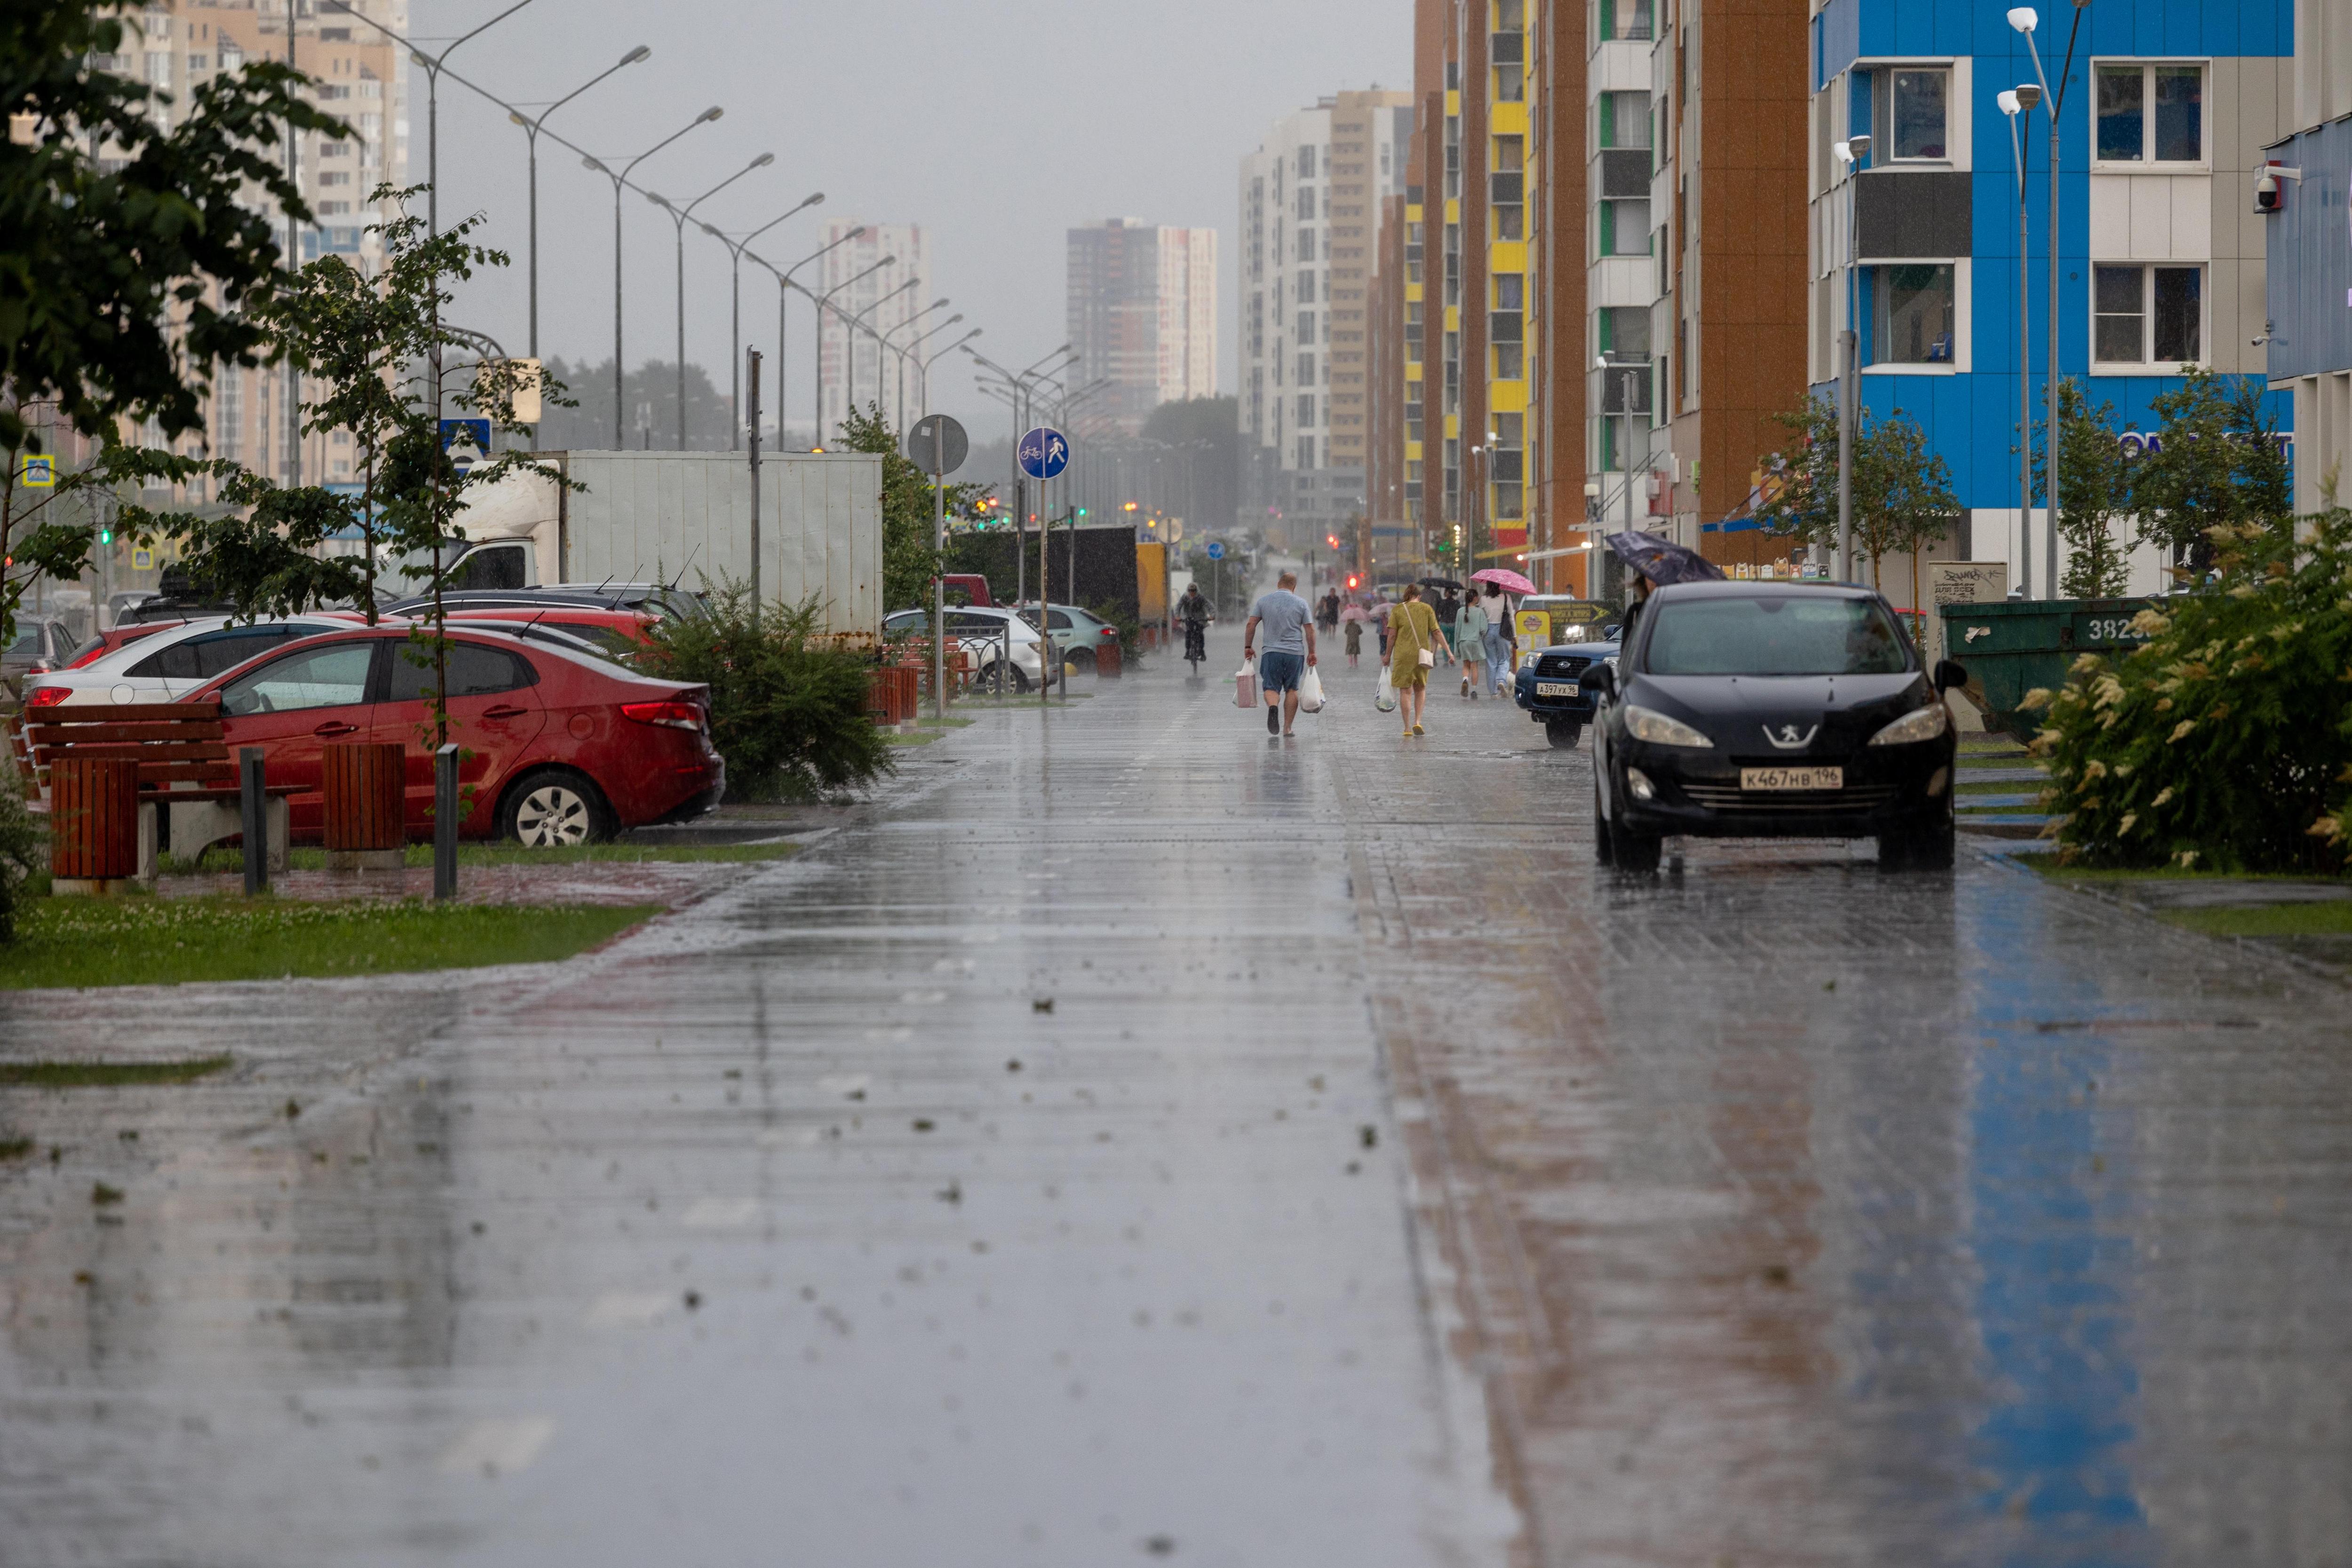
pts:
pixel 1788 738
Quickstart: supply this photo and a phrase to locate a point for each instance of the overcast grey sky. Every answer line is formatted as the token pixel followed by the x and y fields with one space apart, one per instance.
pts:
pixel 996 127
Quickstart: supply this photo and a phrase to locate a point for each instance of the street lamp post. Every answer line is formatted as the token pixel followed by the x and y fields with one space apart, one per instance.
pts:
pixel 678 216
pixel 923 363
pixel 2024 20
pixel 1850 153
pixel 735 249
pixel 530 128
pixel 2017 102
pixel 857 324
pixel 824 303
pixel 901 355
pixel 784 286
pixel 619 178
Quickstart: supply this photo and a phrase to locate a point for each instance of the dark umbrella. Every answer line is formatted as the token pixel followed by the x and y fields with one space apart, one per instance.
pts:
pixel 1448 584
pixel 1662 561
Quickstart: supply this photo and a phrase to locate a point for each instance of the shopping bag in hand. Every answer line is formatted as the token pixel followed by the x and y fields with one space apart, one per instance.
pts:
pixel 1310 692
pixel 1246 686
pixel 1384 695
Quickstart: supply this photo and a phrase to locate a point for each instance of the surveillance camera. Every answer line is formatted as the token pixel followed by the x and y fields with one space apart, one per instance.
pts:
pixel 2266 193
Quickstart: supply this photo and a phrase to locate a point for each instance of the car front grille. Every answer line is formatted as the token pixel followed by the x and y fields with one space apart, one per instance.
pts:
pixel 1731 797
pixel 1568 664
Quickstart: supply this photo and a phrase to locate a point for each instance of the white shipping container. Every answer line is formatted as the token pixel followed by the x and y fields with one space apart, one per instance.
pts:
pixel 685 518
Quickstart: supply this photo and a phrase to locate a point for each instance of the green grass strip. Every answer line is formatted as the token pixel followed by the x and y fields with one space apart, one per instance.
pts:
pixel 172 941
pixel 2331 917
pixel 101 1075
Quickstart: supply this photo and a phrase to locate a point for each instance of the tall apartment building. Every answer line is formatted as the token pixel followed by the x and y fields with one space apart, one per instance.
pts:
pixel 853 369
pixel 2308 275
pixel 360 76
pixel 1480 405
pixel 1310 197
pixel 1143 315
pixel 2165 116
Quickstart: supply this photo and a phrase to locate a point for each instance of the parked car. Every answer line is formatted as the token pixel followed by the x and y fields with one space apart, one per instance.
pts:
pixel 651 598
pixel 617 634
pixel 1754 709
pixel 1559 690
pixel 42 643
pixel 967 588
pixel 560 747
pixel 1076 633
pixel 173 660
pixel 984 635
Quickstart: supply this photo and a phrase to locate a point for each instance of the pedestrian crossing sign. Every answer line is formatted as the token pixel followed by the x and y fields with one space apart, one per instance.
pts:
pixel 40 471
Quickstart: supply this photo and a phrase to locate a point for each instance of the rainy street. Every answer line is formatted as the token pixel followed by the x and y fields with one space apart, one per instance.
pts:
pixel 1132 1138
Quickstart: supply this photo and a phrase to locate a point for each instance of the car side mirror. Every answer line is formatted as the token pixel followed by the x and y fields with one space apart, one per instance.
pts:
pixel 1604 676
pixel 1950 675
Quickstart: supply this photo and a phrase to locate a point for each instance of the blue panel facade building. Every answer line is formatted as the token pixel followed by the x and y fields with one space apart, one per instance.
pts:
pixel 2167 107
pixel 2310 253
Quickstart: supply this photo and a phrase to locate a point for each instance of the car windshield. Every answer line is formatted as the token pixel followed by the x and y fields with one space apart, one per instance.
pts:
pixel 1774 634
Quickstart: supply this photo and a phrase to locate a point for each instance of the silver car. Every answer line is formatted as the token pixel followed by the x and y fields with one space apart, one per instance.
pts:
pixel 166 665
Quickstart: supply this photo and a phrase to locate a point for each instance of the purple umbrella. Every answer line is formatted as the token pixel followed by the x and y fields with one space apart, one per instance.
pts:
pixel 1662 561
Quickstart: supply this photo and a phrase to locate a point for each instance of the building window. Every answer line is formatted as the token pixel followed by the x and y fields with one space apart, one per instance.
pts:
pixel 1917 112
pixel 2129 134
pixel 1511 84
pixel 1914 314
pixel 1306 203
pixel 1625 120
pixel 2149 315
pixel 1307 163
pixel 1625 19
pixel 1511 223
pixel 1510 362
pixel 1306 451
pixel 1306 370
pixel 1624 331
pixel 1626 228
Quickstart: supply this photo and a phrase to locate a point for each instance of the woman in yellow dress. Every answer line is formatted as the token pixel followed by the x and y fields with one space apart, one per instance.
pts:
pixel 1415 644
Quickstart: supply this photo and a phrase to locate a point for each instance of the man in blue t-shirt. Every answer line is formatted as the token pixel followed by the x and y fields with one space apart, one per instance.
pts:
pixel 1290 623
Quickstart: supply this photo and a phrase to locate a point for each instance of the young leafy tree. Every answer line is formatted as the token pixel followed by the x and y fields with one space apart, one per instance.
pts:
pixel 131 251
pixel 1803 508
pixel 1903 499
pixel 908 562
pixel 2095 493
pixel 2218 463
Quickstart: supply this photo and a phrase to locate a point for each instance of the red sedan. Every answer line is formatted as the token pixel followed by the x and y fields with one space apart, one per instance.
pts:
pixel 558 748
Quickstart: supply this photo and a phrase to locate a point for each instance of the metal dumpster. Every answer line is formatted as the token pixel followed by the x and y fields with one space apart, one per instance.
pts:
pixel 2012 645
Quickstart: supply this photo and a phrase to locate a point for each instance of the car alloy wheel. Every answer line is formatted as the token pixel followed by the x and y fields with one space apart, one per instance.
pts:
pixel 552 814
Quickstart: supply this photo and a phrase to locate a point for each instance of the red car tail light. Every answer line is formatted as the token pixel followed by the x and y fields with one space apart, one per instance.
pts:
pixel 45 696
pixel 677 715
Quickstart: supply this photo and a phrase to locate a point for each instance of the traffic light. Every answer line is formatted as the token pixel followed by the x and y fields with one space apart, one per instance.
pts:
pixel 1082 512
pixel 106 535
pixel 1353 582
pixel 1332 540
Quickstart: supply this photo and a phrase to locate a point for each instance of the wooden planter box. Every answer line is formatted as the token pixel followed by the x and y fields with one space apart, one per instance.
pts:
pixel 93 823
pixel 364 787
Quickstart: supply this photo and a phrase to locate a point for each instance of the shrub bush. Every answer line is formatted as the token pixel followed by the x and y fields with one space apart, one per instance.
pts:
pixel 20 849
pixel 787 710
pixel 2224 742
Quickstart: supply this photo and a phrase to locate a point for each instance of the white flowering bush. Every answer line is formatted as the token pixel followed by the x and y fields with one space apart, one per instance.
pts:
pixel 2224 742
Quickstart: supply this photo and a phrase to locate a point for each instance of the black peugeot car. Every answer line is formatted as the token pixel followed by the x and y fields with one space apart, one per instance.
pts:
pixel 1742 710
pixel 1559 687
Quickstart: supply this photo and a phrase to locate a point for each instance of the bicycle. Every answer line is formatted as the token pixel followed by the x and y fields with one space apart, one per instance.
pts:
pixel 1196 644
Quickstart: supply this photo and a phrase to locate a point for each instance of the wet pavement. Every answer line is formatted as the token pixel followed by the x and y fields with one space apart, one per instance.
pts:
pixel 1136 1139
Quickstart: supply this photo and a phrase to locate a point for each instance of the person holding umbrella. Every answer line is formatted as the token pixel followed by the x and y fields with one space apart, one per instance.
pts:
pixel 1502 633
pixel 1656 561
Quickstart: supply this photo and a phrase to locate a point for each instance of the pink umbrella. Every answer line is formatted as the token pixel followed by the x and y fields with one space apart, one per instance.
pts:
pixel 1509 582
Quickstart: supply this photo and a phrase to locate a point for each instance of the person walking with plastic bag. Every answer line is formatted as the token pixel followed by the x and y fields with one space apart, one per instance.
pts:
pixel 1289 624
pixel 1414 643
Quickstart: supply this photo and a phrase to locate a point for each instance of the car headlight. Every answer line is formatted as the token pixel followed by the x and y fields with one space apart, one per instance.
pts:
pixel 1647 724
pixel 1919 724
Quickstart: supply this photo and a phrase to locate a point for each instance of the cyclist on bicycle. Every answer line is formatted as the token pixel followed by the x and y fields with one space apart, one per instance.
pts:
pixel 1193 610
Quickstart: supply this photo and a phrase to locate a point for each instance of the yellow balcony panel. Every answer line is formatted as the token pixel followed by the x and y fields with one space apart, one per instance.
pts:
pixel 1454 319
pixel 1412 451
pixel 1510 255
pixel 1452 426
pixel 1507 396
pixel 1412 372
pixel 1412 296
pixel 1507 118
pixel 1453 210
pixel 1452 102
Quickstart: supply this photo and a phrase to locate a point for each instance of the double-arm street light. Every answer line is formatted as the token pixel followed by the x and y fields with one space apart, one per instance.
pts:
pixel 923 375
pixel 784 286
pixel 899 382
pixel 619 178
pixel 856 323
pixel 531 126
pixel 2016 103
pixel 735 252
pixel 824 303
pixel 678 215
pixel 2024 20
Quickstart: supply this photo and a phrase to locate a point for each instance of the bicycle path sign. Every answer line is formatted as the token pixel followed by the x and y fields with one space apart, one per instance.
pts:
pixel 1044 453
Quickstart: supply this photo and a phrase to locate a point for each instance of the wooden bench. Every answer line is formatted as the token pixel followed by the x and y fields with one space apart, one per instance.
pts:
pixel 189 796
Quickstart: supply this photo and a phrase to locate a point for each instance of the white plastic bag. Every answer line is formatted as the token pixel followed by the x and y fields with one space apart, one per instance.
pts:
pixel 1310 692
pixel 1385 695
pixel 1246 686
